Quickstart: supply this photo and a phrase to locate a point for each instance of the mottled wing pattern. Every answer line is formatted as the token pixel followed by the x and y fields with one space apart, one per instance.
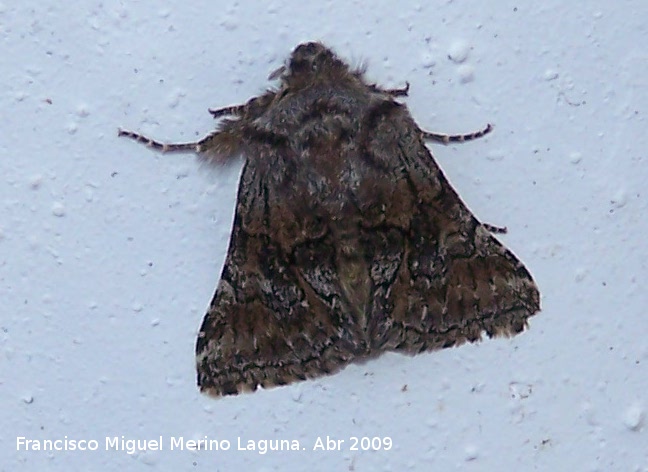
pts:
pixel 441 278
pixel 408 268
pixel 276 316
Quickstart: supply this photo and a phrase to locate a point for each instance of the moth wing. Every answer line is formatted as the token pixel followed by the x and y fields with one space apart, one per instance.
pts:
pixel 437 299
pixel 440 278
pixel 272 320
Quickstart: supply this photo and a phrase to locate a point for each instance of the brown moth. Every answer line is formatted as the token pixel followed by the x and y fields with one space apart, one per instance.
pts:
pixel 348 240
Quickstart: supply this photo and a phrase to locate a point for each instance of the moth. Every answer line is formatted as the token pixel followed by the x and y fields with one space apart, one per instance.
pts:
pixel 347 240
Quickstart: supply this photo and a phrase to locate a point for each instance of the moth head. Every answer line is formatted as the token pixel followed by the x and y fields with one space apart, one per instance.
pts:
pixel 310 62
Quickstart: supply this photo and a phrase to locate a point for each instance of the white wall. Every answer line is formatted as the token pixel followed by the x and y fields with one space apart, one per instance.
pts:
pixel 109 253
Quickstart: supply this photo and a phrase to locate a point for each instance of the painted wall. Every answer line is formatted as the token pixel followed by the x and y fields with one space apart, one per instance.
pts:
pixel 110 253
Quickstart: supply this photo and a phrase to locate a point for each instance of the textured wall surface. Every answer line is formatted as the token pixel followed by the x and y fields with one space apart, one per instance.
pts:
pixel 110 253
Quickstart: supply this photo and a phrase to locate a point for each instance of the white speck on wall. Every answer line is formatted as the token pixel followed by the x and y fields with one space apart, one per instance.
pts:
pixel 496 155
pixel 137 307
pixel 471 453
pixel 634 417
pixel 619 199
pixel 176 97
pixel 550 74
pixel 82 111
pixel 428 60
pixel 458 51
pixel 575 157
pixel 35 181
pixel 466 73
pixel 58 209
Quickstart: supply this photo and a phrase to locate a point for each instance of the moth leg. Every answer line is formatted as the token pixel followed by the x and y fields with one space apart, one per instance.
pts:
pixel 236 110
pixel 395 92
pixel 495 229
pixel 456 138
pixel 399 92
pixel 196 146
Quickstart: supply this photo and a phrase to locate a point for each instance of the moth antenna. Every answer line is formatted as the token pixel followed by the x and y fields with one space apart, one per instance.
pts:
pixel 456 138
